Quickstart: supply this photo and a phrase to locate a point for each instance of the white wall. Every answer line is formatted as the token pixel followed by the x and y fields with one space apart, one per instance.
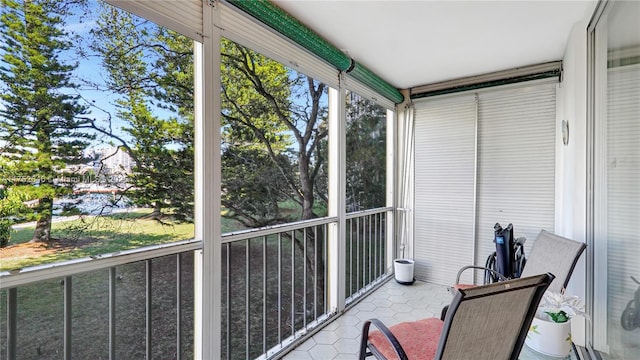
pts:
pixel 571 174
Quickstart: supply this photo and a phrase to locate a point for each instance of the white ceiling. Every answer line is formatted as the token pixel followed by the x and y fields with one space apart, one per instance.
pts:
pixel 411 43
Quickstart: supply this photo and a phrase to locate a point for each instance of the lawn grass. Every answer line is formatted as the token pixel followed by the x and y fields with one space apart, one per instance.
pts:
pixel 97 235
pixel 282 288
pixel 40 303
pixel 41 310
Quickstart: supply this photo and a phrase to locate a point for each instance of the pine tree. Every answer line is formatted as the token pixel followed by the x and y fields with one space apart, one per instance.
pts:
pixel 151 68
pixel 40 128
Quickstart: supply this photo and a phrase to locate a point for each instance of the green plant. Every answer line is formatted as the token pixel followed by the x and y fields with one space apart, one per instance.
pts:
pixel 559 317
pixel 11 207
pixel 560 308
pixel 5 232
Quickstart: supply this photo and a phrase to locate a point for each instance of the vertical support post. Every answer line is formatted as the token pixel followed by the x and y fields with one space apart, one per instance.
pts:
pixel 293 283
pixel 12 322
pixel 370 243
pixel 390 187
pixel 379 249
pixel 316 260
pixel 336 248
pixel 207 107
pixel 112 313
pixel 279 287
pixel 178 306
pixel 325 249
pixel 149 307
pixel 304 278
pixel 247 298
pixel 358 241
pixel 228 299
pixel 264 294
pixel 349 236
pixel 374 244
pixel 67 317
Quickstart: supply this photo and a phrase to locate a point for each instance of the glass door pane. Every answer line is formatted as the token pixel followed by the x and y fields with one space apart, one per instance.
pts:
pixel 616 321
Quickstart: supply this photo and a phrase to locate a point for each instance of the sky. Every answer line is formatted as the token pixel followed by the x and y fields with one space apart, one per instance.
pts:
pixel 90 70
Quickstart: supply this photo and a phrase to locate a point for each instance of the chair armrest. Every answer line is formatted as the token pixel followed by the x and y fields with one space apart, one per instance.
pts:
pixel 443 313
pixel 495 273
pixel 384 330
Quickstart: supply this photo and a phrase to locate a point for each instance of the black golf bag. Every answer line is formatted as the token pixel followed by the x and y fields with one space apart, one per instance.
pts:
pixel 508 259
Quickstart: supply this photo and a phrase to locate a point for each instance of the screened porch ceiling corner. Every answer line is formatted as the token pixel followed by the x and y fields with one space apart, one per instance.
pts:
pixel 413 43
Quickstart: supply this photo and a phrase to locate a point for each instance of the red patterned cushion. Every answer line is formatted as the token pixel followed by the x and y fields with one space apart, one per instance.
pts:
pixel 463 286
pixel 419 339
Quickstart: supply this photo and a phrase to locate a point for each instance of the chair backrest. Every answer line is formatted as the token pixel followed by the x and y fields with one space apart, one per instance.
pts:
pixel 555 254
pixel 491 321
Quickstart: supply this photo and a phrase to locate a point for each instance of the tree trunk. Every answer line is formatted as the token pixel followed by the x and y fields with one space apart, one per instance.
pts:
pixel 43 225
pixel 157 211
pixel 306 185
pixel 314 257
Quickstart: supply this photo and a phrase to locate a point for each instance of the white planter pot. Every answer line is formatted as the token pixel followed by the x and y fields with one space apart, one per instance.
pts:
pixel 403 271
pixel 549 338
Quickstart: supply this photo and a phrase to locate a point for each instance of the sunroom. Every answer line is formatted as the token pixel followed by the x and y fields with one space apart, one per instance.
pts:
pixel 519 112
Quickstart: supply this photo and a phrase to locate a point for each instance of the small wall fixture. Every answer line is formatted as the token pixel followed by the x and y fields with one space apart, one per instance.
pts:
pixel 565 132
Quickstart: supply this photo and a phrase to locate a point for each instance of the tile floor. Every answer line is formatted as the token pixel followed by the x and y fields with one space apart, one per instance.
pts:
pixel 392 303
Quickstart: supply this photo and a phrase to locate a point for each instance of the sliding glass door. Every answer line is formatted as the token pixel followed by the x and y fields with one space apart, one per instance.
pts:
pixel 615 72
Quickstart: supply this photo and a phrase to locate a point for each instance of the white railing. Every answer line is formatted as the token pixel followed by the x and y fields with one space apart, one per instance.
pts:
pixel 130 304
pixel 273 286
pixel 139 303
pixel 366 248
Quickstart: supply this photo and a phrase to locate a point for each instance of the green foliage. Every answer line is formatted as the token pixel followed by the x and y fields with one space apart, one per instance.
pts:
pixel 251 192
pixel 274 120
pixel 11 206
pixel 41 127
pixel 255 97
pixel 151 68
pixel 559 307
pixel 366 154
pixel 5 232
pixel 558 317
pixel 276 115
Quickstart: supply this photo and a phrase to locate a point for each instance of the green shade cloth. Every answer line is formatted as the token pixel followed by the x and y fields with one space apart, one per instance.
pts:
pixel 287 25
